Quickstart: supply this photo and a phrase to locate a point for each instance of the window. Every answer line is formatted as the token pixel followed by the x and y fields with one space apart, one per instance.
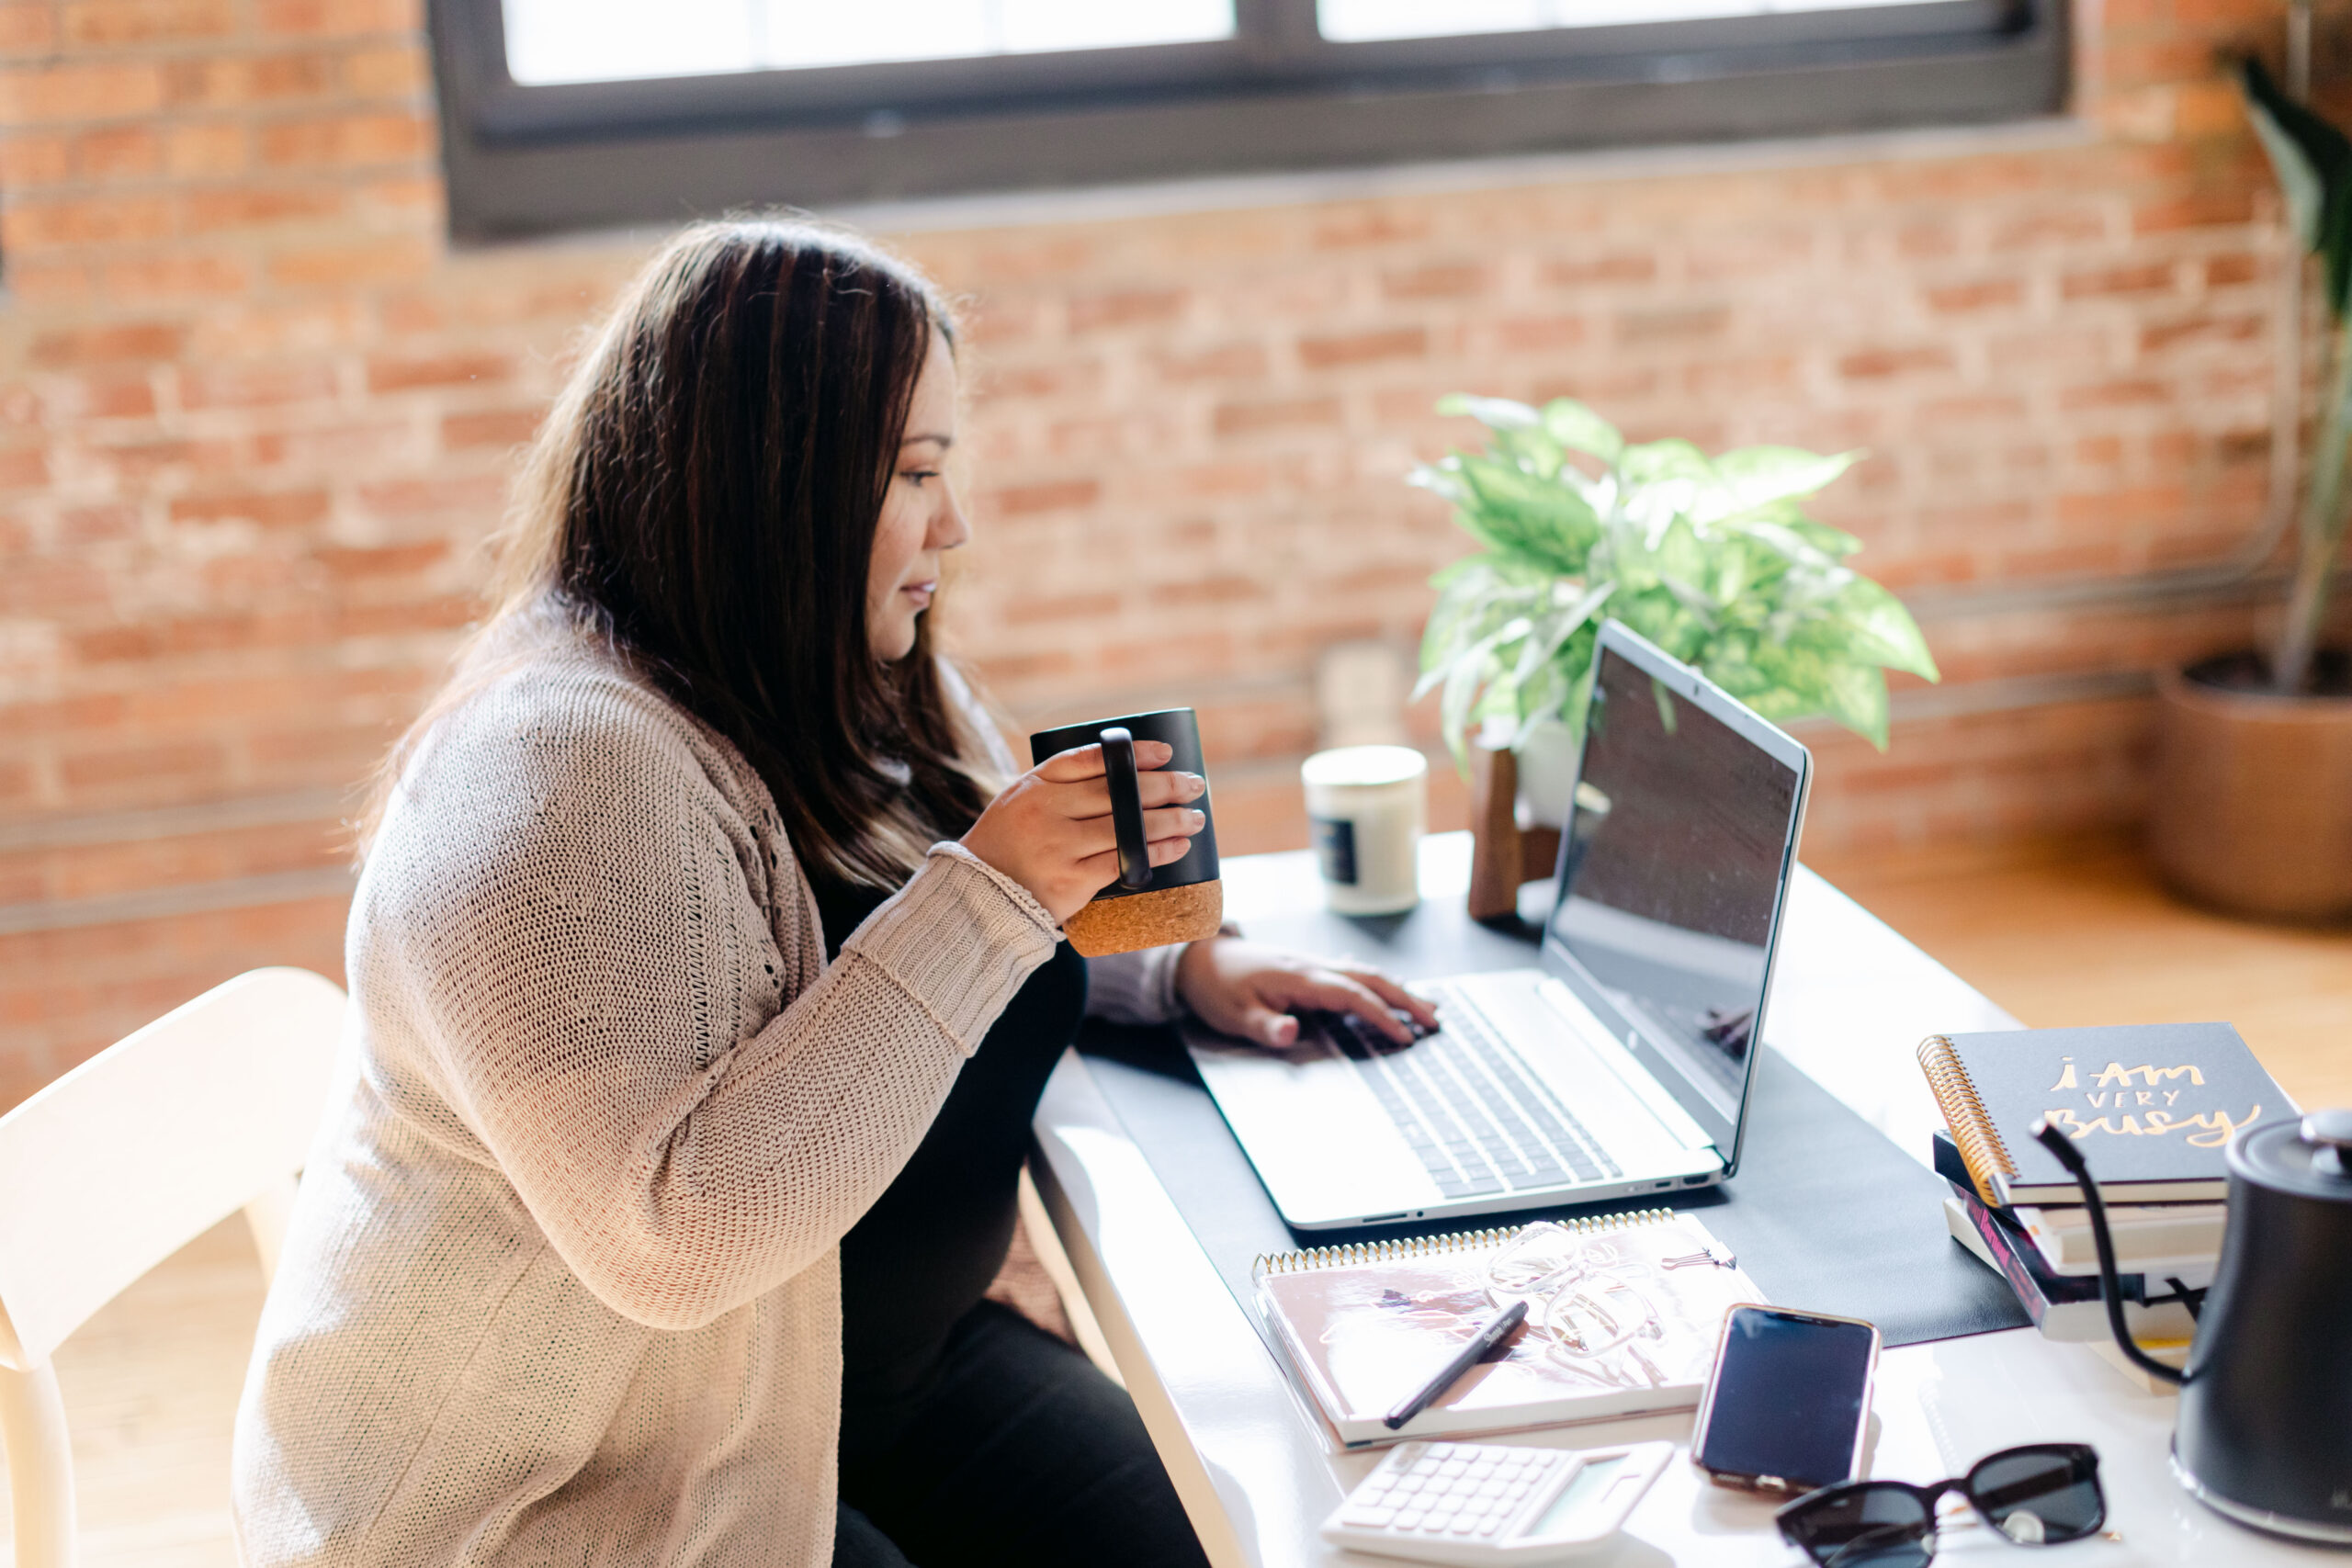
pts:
pixel 583 113
pixel 550 42
pixel 1358 21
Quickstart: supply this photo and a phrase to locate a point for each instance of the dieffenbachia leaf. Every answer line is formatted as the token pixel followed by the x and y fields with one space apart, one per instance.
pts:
pixel 1579 429
pixel 1573 605
pixel 1784 540
pixel 1711 560
pixel 1834 543
pixel 1884 632
pixel 1442 478
pixel 1518 514
pixel 1758 476
pixel 1495 413
pixel 1656 462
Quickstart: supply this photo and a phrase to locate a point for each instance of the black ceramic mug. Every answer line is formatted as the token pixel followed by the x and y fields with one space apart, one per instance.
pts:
pixel 1146 906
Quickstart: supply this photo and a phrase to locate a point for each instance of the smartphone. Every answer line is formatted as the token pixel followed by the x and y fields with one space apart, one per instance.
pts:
pixel 1787 1400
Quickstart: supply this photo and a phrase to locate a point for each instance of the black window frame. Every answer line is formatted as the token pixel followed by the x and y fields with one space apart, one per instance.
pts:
pixel 1277 97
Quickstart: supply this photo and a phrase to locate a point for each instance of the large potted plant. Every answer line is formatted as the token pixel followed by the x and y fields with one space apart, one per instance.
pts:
pixel 1712 558
pixel 2253 800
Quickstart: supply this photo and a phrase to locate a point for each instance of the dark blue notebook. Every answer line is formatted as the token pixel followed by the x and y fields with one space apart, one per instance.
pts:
pixel 2151 1105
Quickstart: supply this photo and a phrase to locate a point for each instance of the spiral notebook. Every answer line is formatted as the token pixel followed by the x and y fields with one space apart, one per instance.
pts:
pixel 1631 1327
pixel 2151 1106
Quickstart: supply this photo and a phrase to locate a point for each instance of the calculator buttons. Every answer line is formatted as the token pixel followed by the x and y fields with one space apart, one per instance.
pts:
pixel 1473 1504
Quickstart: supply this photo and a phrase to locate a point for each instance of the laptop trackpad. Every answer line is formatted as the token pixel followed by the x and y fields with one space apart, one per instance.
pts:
pixel 1326 1150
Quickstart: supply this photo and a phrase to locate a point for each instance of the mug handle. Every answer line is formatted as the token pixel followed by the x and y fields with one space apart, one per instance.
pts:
pixel 1127 808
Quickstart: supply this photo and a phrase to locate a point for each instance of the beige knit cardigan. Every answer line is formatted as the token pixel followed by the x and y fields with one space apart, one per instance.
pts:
pixel 562 1283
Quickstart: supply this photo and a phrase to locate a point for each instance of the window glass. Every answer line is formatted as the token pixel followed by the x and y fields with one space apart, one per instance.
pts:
pixel 550 42
pixel 580 114
pixel 1364 21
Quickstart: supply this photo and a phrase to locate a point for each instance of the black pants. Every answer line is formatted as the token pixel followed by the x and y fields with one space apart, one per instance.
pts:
pixel 1018 1452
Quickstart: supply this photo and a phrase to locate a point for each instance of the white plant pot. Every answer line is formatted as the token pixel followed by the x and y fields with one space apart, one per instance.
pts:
pixel 1547 776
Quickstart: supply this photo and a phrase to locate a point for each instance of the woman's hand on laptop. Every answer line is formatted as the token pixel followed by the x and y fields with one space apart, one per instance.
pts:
pixel 1239 988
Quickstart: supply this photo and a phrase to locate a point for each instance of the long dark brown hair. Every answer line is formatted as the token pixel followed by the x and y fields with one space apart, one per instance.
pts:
pixel 704 495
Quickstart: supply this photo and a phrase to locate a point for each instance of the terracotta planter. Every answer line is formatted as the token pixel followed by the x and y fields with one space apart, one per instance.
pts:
pixel 2253 807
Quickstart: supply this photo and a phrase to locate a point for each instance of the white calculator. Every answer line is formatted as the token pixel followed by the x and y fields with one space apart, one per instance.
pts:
pixel 1481 1503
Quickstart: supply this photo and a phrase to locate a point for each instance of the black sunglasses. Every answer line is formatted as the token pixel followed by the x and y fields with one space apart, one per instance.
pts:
pixel 2037 1495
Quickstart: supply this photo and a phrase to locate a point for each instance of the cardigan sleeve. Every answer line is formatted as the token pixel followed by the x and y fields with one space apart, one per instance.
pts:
pixel 565 914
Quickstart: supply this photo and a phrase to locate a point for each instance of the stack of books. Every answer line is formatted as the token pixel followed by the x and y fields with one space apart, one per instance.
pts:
pixel 2153 1108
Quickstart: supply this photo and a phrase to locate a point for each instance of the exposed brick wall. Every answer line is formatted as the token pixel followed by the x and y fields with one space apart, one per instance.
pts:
pixel 256 421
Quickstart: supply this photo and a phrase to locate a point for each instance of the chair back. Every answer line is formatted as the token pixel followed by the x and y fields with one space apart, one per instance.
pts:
pixel 144 1147
pixel 123 1161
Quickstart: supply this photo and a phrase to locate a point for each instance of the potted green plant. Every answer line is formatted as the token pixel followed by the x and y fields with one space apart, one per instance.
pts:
pixel 2252 808
pixel 1712 558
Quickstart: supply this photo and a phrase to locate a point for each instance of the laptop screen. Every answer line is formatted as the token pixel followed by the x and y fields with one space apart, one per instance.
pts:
pixel 1670 878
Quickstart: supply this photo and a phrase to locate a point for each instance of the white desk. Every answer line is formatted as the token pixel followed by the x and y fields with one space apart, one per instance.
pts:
pixel 1850 1002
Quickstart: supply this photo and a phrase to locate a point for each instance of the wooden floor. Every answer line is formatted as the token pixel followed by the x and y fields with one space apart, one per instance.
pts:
pixel 151 1386
pixel 2084 935
pixel 2058 936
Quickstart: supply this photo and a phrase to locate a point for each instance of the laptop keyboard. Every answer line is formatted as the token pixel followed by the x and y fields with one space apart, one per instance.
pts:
pixel 1480 1122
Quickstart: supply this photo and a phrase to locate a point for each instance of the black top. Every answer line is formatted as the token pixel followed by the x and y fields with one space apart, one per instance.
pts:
pixel 925 1253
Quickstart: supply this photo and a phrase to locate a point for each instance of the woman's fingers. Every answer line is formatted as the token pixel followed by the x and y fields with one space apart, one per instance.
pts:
pixel 1395 994
pixel 1051 830
pixel 1092 797
pixel 1240 988
pixel 1335 992
pixel 1103 864
pixel 1173 822
pixel 1162 788
pixel 1267 1027
pixel 1103 868
pixel 1175 825
pixel 1083 763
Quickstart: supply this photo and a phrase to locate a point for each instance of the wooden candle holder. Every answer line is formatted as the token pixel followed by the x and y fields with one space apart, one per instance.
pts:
pixel 1502 856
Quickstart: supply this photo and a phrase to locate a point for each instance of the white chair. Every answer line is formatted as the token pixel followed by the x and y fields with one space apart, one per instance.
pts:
pixel 125 1160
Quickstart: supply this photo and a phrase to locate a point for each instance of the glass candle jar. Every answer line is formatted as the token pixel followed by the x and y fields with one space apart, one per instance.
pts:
pixel 1368 806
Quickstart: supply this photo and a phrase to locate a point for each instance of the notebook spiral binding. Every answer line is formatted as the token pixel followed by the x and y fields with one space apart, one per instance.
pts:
pixel 1972 1132
pixel 1437 1246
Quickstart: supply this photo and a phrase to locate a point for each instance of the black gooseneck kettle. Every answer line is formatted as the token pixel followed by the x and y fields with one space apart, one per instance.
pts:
pixel 2264 1434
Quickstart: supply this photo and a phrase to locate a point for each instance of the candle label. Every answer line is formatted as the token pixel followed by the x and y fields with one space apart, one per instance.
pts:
pixel 1335 845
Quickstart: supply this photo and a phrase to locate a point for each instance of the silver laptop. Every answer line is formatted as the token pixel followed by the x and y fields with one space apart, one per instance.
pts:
pixel 1619 1065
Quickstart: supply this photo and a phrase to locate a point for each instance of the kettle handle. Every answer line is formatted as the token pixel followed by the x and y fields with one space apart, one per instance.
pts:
pixel 2062 1149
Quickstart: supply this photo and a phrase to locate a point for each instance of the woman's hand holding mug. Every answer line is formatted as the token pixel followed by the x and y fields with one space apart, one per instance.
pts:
pixel 1051 828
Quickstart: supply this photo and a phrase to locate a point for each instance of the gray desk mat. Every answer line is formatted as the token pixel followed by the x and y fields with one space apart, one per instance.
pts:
pixel 1826 1213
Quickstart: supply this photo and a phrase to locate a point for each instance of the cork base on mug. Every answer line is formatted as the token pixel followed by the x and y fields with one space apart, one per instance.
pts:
pixel 1148 919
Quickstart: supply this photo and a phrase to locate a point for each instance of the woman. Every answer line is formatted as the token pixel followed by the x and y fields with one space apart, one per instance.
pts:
pixel 706 971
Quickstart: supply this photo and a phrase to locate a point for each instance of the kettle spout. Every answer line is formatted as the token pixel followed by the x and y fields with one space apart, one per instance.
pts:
pixel 2062 1148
